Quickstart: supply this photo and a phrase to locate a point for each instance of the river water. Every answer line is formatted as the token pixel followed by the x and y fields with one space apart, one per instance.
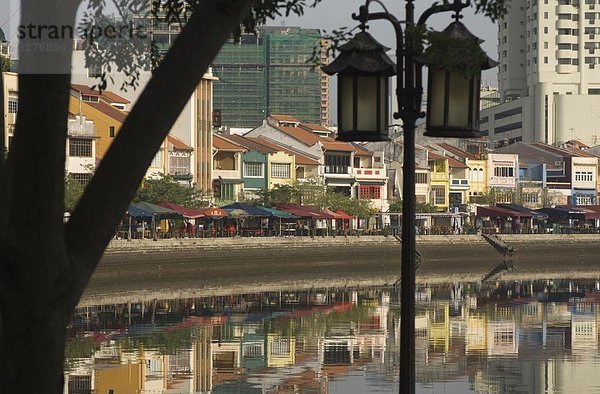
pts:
pixel 491 337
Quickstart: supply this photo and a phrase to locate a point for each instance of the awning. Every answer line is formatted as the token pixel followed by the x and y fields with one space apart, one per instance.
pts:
pixel 563 213
pixel 499 212
pixel 520 208
pixel 303 211
pixel 362 182
pixel 344 215
pixel 333 214
pixel 188 213
pixel 146 208
pixel 589 212
pixel 250 210
pixel 279 214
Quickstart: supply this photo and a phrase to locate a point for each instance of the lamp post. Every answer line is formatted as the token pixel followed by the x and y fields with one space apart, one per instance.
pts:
pixel 363 69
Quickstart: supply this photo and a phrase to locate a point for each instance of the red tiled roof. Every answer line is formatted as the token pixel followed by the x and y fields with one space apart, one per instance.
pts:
pixel 306 137
pixel 250 144
pixel 285 118
pixel 109 110
pixel 456 151
pixel 84 89
pixel 178 144
pixel 222 144
pixel 115 98
pixel 300 158
pixel 314 126
pixel 452 162
pixel 338 146
pixel 435 156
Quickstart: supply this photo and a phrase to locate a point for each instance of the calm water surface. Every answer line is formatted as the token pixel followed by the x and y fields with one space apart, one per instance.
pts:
pixel 522 337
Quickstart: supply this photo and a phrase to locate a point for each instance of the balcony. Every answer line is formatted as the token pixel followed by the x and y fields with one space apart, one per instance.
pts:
pixel 566 24
pixel 566 39
pixel 227 174
pixel 459 184
pixel 565 54
pixel 565 9
pixel 336 170
pixel 370 173
pixel 439 176
pixel 81 129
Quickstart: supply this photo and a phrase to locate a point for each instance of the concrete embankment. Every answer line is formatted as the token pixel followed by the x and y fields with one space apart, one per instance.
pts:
pixel 237 264
pixel 218 266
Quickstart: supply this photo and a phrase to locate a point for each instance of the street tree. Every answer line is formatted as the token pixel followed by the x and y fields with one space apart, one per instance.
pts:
pixel 44 263
pixel 166 188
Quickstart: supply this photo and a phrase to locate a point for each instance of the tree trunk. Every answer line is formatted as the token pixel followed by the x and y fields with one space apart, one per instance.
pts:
pixel 32 345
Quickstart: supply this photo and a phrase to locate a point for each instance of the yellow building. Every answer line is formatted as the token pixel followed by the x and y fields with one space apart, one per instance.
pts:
pixel 106 110
pixel 439 171
pixel 282 169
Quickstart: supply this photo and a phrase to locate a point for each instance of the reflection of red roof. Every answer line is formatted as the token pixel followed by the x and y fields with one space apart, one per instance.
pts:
pixel 178 144
pixel 187 213
pixel 222 144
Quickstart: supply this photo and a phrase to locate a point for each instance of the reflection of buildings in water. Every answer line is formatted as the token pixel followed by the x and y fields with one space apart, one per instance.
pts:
pixel 281 351
pixel 476 335
pixel 439 328
pixel 503 338
pixel 584 333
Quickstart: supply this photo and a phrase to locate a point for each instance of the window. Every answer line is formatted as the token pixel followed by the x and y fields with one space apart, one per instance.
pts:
pixel 356 162
pixel 13 105
pixel 337 163
pixel 280 170
pixel 545 44
pixel 584 200
pixel 564 16
pixel 594 91
pixel 504 172
pixel 503 197
pixel 111 131
pixel 439 195
pixel 546 59
pixel 421 177
pixel 253 170
pixel 80 147
pixel 179 164
pixel 370 192
pixel 83 179
pixel 157 161
pixel 545 29
pixel 86 97
pixel 584 176
pixel 545 15
pixel 564 32
pixel 300 173
pixel 530 197
pixel 564 46
pixel 564 61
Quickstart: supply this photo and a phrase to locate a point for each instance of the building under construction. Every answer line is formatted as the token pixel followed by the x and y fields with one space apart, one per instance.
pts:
pixel 271 73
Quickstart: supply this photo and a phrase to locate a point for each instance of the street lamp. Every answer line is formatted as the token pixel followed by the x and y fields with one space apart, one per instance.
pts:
pixel 453 105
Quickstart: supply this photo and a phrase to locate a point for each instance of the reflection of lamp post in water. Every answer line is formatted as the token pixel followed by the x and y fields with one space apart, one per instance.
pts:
pixel 363 69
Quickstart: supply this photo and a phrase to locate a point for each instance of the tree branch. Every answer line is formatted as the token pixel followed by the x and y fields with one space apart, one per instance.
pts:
pixel 105 201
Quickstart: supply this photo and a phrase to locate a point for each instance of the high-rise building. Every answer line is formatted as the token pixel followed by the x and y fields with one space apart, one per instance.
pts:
pixel 549 74
pixel 270 73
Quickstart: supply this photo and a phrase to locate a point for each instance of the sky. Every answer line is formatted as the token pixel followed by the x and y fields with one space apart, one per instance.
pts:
pixel 332 14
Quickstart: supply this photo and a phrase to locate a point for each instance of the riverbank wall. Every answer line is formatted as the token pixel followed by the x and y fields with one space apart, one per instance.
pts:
pixel 229 265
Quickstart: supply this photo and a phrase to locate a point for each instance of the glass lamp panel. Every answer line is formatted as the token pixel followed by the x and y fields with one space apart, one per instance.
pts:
pixel 384 103
pixel 436 94
pixel 476 86
pixel 346 101
pixel 366 103
pixel 458 101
